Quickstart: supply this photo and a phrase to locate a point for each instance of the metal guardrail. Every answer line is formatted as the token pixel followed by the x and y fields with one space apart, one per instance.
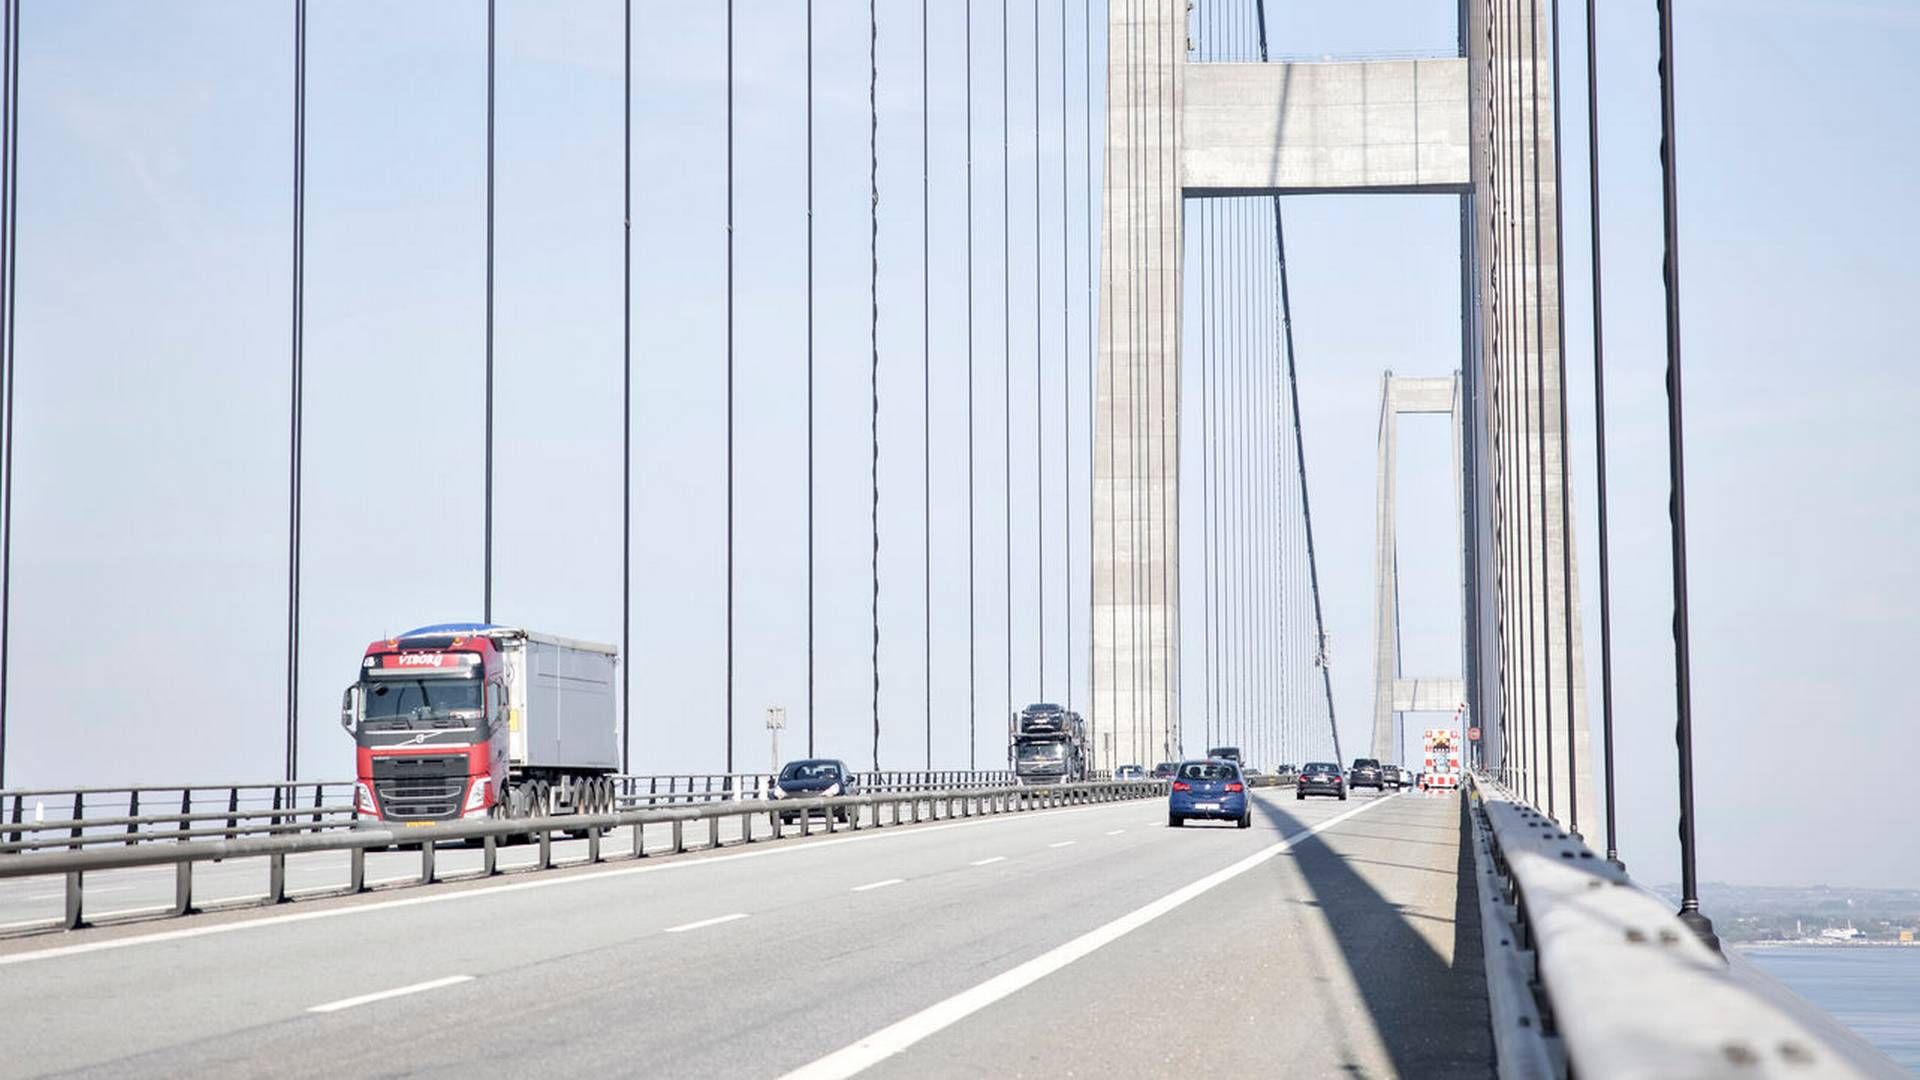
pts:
pixel 93 816
pixel 1590 975
pixel 906 807
pixel 706 787
pixel 96 815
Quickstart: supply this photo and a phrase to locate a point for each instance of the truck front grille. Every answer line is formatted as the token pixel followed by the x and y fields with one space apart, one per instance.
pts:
pixel 420 787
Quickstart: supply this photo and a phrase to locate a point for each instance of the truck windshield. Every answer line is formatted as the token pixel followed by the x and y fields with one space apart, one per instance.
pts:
pixel 1046 751
pixel 406 704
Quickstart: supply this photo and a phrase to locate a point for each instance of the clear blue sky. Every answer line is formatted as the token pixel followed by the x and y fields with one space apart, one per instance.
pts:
pixel 153 329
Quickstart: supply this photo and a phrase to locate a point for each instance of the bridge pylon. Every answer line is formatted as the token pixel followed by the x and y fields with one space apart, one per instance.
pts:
pixel 1393 691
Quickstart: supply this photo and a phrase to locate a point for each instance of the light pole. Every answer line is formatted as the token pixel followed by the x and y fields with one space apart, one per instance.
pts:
pixel 776 722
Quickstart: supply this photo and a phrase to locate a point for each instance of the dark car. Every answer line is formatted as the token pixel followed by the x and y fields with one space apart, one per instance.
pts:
pixel 1366 773
pixel 816 778
pixel 1208 789
pixel 1165 770
pixel 1393 776
pixel 1319 778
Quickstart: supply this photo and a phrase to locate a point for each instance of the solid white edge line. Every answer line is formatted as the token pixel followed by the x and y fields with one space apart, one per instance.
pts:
pixel 878 884
pixel 382 995
pixel 544 882
pixel 703 923
pixel 989 859
pixel 888 1041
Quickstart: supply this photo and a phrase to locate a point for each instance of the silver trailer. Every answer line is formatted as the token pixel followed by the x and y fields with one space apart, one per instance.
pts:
pixel 563 715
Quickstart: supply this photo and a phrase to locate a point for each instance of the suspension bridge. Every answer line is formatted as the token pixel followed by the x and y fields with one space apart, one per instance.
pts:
pixel 1015 416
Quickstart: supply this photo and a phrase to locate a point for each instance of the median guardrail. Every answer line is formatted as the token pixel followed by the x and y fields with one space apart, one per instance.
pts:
pixel 1590 975
pixel 45 818
pixel 905 807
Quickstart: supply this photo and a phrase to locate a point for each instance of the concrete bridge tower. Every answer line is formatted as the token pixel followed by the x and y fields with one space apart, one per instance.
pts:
pixel 1475 127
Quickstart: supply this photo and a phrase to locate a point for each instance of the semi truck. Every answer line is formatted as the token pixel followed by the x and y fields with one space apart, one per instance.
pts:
pixel 1047 745
pixel 467 720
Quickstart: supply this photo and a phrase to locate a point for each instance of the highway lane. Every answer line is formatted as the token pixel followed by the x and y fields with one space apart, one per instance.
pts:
pixel 759 960
pixel 1355 953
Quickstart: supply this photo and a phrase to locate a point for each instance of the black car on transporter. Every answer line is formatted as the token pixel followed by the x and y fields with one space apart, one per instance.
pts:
pixel 1320 778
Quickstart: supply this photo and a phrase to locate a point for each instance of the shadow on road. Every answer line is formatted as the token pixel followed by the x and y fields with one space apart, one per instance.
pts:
pixel 1431 1013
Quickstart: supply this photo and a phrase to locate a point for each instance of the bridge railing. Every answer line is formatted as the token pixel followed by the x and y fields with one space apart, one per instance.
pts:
pixel 141 813
pixel 46 818
pixel 708 787
pixel 1589 974
pixel 903 807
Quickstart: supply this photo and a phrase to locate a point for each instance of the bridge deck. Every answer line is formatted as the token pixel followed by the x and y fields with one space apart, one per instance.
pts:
pixel 1049 943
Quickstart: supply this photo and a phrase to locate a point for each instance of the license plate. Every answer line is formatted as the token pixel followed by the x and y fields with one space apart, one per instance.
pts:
pixel 421 824
pixel 1206 806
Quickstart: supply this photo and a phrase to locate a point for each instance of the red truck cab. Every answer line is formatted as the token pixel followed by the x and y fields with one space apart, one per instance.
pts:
pixel 429 720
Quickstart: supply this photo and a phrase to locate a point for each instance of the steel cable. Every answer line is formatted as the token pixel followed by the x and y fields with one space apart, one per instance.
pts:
pixel 811 625
pixel 626 409
pixel 926 395
pixel 1566 481
pixel 730 411
pixel 873 332
pixel 487 600
pixel 973 704
pixel 1600 432
pixel 9 291
pixel 296 383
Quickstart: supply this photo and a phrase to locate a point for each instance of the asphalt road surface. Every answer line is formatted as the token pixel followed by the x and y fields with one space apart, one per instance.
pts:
pixel 1330 938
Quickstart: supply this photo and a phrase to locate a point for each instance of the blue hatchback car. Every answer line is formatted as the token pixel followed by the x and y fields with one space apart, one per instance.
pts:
pixel 1208 789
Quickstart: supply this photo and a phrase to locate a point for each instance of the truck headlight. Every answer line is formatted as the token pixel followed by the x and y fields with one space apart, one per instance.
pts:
pixel 477 795
pixel 363 800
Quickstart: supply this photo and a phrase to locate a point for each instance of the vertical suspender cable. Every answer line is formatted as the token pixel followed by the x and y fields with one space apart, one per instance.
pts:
pixel 1039 396
pixel 1677 506
pixel 729 711
pixel 810 463
pixel 1566 482
pixel 926 398
pixel 1300 459
pixel 1006 342
pixel 1131 186
pixel 1066 377
pixel 1217 542
pixel 1086 93
pixel 973 698
pixel 1206 484
pixel 1158 439
pixel 1600 432
pixel 1540 407
pixel 296 382
pixel 487 600
pixel 1113 439
pixel 873 332
pixel 9 170
pixel 626 392
pixel 1143 559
